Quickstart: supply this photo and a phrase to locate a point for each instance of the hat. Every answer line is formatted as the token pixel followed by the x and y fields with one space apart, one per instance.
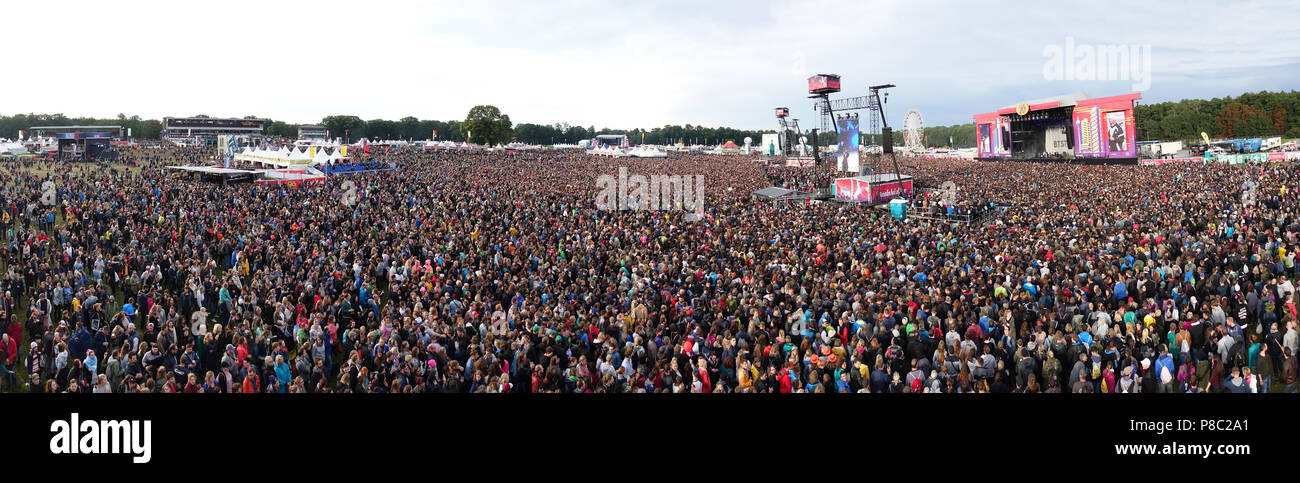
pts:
pixel 1146 363
pixel 814 359
pixel 833 359
pixel 826 350
pixel 230 347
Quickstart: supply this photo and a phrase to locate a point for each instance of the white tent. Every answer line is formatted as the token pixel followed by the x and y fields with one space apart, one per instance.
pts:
pixel 644 151
pixel 285 156
pixel 12 148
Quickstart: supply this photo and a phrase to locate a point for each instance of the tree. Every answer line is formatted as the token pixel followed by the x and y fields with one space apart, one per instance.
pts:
pixel 383 129
pixel 1258 126
pixel 1236 118
pixel 351 127
pixel 149 129
pixel 282 129
pixel 487 125
pixel 537 134
pixel 410 128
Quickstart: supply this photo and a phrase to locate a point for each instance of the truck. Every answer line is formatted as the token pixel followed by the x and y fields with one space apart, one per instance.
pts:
pixel 1159 150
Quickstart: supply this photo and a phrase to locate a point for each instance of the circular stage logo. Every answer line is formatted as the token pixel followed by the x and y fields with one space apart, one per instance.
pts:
pixel 1022 108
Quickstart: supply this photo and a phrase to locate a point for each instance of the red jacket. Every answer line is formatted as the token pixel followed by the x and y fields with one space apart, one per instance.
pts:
pixel 10 351
pixel 16 332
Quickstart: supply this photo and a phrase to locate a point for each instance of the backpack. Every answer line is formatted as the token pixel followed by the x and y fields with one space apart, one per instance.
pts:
pixel 1237 356
pixel 895 357
pixel 1096 369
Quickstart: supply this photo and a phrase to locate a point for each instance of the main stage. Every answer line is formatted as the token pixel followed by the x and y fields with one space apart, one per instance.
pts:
pixel 1071 128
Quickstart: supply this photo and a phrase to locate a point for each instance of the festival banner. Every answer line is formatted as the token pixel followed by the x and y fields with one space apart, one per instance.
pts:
pixel 1003 145
pixel 1246 158
pixel 852 189
pixel 1087 139
pixel 1161 162
pixel 885 191
pixel 1119 134
pixel 985 148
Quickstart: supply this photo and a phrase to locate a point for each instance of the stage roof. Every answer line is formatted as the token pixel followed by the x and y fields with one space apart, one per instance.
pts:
pixel 1061 100
pixel 1075 100
pixel 212 170
pixel 74 128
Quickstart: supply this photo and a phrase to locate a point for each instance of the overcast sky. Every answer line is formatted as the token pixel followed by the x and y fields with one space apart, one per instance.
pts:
pixel 614 64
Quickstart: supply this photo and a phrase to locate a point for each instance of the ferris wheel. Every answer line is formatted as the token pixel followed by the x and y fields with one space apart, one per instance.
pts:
pixel 913 131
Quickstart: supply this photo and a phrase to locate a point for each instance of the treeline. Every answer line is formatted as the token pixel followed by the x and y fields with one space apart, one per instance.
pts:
pixel 354 128
pixel 958 136
pixel 1253 114
pixel 1259 114
pixel 140 128
pixel 669 134
pixel 339 126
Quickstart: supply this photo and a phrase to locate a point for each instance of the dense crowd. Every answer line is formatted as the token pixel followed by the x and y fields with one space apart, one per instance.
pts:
pixel 475 271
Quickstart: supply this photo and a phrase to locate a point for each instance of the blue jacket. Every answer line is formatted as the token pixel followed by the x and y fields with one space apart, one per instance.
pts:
pixel 1236 389
pixel 1166 361
pixel 283 376
pixel 79 344
pixel 100 340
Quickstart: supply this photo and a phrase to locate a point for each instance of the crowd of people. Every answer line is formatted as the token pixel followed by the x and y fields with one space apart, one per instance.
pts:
pixel 476 271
